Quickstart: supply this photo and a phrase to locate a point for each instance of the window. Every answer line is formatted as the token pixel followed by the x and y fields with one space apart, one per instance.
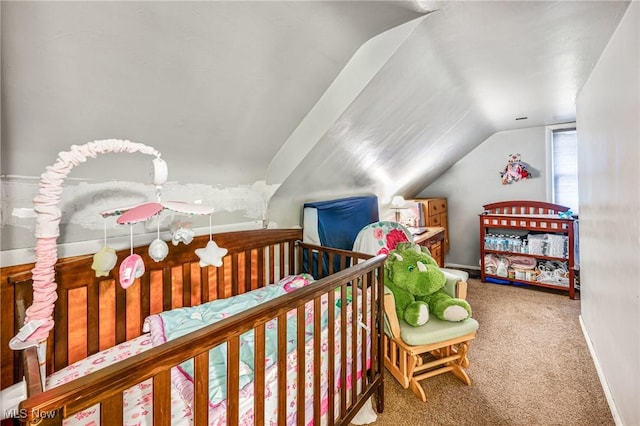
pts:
pixel 562 177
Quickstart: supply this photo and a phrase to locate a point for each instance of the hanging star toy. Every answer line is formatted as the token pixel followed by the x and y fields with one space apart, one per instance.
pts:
pixel 104 261
pixel 211 254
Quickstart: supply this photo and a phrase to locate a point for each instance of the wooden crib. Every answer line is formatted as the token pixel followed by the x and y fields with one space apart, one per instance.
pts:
pixel 93 314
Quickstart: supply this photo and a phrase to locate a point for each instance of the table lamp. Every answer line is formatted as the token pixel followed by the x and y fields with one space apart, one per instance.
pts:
pixel 398 202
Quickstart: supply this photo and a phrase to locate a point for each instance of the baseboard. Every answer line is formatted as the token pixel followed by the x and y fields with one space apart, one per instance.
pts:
pixel 473 271
pixel 603 380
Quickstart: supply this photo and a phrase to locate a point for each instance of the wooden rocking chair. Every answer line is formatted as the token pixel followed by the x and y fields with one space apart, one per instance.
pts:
pixel 412 354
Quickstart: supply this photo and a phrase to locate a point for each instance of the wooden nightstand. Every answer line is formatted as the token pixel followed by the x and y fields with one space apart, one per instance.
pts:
pixel 435 213
pixel 433 239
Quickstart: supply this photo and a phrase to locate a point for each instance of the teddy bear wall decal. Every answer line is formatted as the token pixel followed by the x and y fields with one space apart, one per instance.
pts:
pixel 515 170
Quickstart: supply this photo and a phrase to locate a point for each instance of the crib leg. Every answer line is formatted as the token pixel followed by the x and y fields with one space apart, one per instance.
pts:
pixel 380 398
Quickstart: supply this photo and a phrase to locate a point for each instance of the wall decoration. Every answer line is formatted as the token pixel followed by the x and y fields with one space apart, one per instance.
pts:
pixel 515 170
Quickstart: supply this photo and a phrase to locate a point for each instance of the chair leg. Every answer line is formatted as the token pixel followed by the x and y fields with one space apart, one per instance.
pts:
pixel 416 388
pixel 410 369
pixel 398 362
pixel 459 364
pixel 461 374
pixel 462 350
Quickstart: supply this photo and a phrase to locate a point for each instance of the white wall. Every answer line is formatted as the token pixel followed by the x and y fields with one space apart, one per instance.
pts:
pixel 216 87
pixel 609 134
pixel 475 180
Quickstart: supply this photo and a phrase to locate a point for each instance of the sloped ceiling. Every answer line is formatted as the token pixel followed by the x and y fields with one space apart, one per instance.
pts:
pixel 467 71
pixel 215 86
pixel 221 88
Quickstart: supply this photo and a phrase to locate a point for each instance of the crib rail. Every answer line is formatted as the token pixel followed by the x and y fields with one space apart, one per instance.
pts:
pixel 524 207
pixel 106 386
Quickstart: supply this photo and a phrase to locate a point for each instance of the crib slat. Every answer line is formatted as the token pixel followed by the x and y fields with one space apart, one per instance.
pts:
pixel 204 284
pixel 233 380
pixel 332 256
pixel 317 338
pixel 354 343
pixel 133 324
pixel 312 261
pixel 285 260
pixel 111 410
pixel 282 368
pixel 155 290
pixel 145 297
pixel 234 274
pixel 247 272
pixel 121 315
pixel 166 289
pixel 281 258
pixel 259 372
pixel 201 389
pixel 93 319
pixel 374 319
pixel 363 333
pixel 161 399
pixel 300 378
pixel 61 331
pixel 220 290
pixel 292 258
pixel 378 336
pixel 343 350
pixel 331 336
pixel 272 264
pixel 186 284
pixel 260 269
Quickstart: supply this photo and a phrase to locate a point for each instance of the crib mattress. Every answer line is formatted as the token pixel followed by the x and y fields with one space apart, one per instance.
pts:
pixel 137 401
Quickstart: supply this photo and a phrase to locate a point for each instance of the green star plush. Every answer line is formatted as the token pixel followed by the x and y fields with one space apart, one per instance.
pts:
pixel 418 284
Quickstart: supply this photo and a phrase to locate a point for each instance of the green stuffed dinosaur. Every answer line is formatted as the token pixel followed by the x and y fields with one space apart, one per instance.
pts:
pixel 417 284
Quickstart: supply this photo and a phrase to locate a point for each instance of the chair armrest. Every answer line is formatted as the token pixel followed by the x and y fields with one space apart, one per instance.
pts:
pixel 390 314
pixel 461 289
pixel 454 286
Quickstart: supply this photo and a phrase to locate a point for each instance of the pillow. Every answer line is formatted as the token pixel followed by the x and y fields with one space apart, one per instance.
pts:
pixel 292 282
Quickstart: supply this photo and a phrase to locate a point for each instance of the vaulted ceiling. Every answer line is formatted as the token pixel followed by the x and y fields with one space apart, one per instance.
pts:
pixel 315 98
pixel 213 85
pixel 463 73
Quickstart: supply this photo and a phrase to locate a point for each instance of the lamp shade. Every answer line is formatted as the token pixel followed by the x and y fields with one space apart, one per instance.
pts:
pixel 397 201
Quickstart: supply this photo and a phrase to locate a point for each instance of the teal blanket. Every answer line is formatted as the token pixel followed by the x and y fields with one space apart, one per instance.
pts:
pixel 175 323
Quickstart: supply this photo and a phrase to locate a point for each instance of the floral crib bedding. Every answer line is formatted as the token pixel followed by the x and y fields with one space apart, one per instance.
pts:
pixel 137 403
pixel 172 324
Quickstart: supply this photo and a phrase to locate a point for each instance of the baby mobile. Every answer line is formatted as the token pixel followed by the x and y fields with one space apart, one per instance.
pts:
pixel 39 316
pixel 132 266
pixel 515 170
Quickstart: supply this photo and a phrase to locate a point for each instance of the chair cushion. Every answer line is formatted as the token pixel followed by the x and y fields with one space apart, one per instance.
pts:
pixel 436 331
pixel 433 331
